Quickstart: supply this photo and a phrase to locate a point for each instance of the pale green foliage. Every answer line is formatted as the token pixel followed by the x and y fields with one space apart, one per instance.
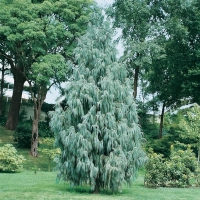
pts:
pixel 191 127
pixel 9 160
pixel 173 172
pixel 50 150
pixel 98 130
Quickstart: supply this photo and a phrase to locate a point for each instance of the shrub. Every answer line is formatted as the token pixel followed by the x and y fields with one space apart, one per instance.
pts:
pixel 155 170
pixel 173 172
pixel 197 176
pixel 44 129
pixel 50 151
pixel 9 160
pixel 2 120
pixel 22 134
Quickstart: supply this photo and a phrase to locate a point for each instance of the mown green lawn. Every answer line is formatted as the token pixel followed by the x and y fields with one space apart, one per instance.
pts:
pixel 43 186
pixel 26 185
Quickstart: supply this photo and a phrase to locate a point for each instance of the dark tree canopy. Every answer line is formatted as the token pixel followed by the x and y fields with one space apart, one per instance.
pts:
pixel 30 30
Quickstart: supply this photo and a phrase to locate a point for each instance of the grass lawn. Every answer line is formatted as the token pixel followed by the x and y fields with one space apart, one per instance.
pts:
pixel 26 185
pixel 43 186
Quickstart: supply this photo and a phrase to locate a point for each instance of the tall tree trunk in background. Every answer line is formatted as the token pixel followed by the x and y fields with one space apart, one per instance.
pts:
pixel 2 85
pixel 34 140
pixel 198 159
pixel 161 121
pixel 38 102
pixel 136 81
pixel 13 113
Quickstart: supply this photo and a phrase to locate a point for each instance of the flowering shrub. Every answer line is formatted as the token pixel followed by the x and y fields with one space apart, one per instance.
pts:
pixel 9 160
pixel 173 172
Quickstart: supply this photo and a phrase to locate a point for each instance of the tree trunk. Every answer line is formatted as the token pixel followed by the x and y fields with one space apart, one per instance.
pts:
pixel 13 113
pixel 97 186
pixel 37 110
pixel 2 85
pixel 198 160
pixel 34 139
pixel 161 121
pixel 136 81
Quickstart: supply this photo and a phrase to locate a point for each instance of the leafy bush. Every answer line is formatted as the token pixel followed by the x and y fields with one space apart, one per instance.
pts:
pixel 161 146
pixel 173 172
pixel 22 134
pixel 2 120
pixel 9 160
pixel 197 176
pixel 155 170
pixel 44 129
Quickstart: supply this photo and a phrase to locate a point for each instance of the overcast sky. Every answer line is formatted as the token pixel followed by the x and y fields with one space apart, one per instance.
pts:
pixel 104 2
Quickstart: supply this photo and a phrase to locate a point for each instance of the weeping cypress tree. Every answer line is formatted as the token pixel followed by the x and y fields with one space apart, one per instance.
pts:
pixel 98 130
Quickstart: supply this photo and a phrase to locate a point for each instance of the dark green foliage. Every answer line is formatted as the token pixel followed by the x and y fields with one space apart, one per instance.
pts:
pixel 150 130
pixel 2 120
pixel 44 129
pixel 47 107
pixel 161 146
pixel 173 172
pixel 22 134
pixel 22 116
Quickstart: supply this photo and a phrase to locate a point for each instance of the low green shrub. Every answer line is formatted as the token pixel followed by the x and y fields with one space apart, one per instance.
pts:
pixel 155 170
pixel 9 160
pixel 173 172
pixel 197 176
pixel 44 129
pixel 23 132
pixel 2 120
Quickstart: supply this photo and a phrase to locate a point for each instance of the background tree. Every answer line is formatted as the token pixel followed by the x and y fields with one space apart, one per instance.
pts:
pixel 48 71
pixel 4 69
pixel 38 28
pixel 175 77
pixel 98 130
pixel 190 127
pixel 138 21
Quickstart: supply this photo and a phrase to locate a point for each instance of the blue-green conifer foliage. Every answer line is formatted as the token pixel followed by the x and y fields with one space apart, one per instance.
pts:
pixel 98 130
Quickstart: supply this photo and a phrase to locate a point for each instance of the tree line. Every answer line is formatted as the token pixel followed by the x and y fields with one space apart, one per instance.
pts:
pixel 161 40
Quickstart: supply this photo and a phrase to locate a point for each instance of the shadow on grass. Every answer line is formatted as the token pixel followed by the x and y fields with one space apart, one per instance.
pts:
pixel 85 189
